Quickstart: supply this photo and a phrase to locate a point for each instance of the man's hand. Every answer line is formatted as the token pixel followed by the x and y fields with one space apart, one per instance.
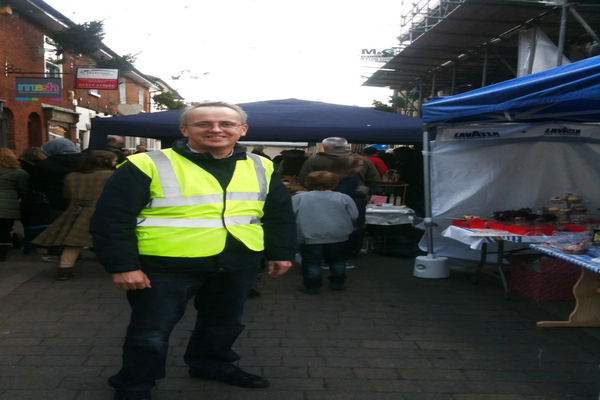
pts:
pixel 132 280
pixel 277 268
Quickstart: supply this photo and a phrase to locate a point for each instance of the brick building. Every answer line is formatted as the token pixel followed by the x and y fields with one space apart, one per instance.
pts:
pixel 28 50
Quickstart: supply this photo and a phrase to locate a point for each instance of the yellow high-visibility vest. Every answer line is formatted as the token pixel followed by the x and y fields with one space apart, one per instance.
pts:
pixel 189 214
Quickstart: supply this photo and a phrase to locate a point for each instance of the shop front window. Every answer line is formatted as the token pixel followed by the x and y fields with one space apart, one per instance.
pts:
pixel 57 132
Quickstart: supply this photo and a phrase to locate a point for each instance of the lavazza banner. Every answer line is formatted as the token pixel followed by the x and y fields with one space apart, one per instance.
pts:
pixel 97 78
pixel 517 131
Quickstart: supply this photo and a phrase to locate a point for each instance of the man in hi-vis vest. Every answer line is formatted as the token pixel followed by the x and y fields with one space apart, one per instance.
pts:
pixel 193 221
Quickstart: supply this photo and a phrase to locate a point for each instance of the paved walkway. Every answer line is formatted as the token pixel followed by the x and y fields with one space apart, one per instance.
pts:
pixel 389 336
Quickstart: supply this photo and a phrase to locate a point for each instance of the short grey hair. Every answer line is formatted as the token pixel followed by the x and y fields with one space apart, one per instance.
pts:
pixel 335 142
pixel 234 107
pixel 258 148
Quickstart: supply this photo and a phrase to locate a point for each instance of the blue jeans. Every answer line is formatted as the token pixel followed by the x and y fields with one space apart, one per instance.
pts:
pixel 219 299
pixel 313 254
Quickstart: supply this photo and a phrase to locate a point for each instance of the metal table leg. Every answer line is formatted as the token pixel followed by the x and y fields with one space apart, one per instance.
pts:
pixel 501 270
pixel 481 264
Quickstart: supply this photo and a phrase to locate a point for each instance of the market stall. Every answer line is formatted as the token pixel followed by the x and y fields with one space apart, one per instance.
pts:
pixel 519 143
pixel 278 120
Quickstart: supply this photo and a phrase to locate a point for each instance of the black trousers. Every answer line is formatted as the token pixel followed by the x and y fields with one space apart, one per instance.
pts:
pixel 219 299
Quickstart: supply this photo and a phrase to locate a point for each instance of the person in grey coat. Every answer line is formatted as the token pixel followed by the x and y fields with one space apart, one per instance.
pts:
pixel 14 182
pixel 324 220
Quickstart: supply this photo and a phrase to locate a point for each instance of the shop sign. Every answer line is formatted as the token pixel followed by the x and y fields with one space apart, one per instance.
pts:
pixel 37 89
pixel 97 78
pixel 378 54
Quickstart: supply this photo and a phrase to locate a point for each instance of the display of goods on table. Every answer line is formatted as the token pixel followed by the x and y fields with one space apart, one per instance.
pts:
pixel 523 228
pixel 564 213
pixel 546 279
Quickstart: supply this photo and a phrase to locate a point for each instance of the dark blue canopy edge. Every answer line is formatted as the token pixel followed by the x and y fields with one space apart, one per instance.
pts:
pixel 567 93
pixel 289 120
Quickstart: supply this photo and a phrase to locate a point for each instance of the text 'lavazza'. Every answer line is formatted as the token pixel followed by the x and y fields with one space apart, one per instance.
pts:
pixel 476 135
pixel 562 131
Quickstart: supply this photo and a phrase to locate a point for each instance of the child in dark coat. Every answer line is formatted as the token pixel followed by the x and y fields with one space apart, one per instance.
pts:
pixel 324 221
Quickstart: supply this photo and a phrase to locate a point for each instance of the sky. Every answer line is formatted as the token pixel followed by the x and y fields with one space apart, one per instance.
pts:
pixel 251 50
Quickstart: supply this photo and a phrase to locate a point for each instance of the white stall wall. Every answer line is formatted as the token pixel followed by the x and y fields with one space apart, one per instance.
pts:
pixel 479 177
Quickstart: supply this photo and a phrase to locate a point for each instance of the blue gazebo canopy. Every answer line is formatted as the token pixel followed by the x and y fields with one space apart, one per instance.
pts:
pixel 289 120
pixel 567 93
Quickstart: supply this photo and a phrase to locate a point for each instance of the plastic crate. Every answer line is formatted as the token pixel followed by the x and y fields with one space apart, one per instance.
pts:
pixel 554 282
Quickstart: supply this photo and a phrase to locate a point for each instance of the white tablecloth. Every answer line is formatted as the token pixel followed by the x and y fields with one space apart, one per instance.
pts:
pixel 389 216
pixel 475 242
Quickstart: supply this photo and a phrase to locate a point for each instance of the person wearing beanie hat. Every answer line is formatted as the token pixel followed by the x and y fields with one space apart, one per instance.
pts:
pixel 59 146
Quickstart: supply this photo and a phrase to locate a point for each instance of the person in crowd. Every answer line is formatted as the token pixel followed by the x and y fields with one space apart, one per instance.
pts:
pixel 387 156
pixel 409 165
pixel 292 161
pixel 260 150
pixel 115 144
pixel 347 169
pixel 192 221
pixel 35 212
pixel 14 182
pixel 30 157
pixel 140 148
pixel 372 154
pixel 335 147
pixel 48 177
pixel 127 152
pixel 277 160
pixel 70 230
pixel 336 214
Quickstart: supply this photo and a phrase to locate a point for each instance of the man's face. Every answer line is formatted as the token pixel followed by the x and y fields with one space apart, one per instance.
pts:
pixel 119 143
pixel 141 148
pixel 213 129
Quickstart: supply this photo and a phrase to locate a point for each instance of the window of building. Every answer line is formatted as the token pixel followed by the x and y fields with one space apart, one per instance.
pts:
pixel 122 91
pixel 52 68
pixel 141 96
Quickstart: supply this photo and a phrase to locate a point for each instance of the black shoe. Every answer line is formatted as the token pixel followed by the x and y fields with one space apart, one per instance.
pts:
pixel 64 274
pixel 234 376
pixel 308 290
pixel 132 395
pixel 337 286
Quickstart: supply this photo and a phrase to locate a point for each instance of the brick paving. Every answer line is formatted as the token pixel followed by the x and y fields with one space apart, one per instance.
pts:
pixel 389 336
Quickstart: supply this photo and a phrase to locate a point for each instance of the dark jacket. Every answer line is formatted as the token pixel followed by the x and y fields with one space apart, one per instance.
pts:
pixel 291 162
pixel 128 191
pixel 118 152
pixel 48 177
pixel 13 184
pixel 351 186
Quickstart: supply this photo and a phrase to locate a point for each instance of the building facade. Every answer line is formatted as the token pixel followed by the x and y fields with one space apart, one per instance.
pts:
pixel 28 28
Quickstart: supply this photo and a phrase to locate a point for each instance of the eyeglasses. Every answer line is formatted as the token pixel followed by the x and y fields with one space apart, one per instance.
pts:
pixel 209 125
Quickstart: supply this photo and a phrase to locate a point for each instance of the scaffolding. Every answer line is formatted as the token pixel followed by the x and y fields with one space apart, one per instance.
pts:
pixel 422 16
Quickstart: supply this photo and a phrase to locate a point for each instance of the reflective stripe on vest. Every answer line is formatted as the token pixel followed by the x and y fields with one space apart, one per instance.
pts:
pixel 198 223
pixel 172 190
